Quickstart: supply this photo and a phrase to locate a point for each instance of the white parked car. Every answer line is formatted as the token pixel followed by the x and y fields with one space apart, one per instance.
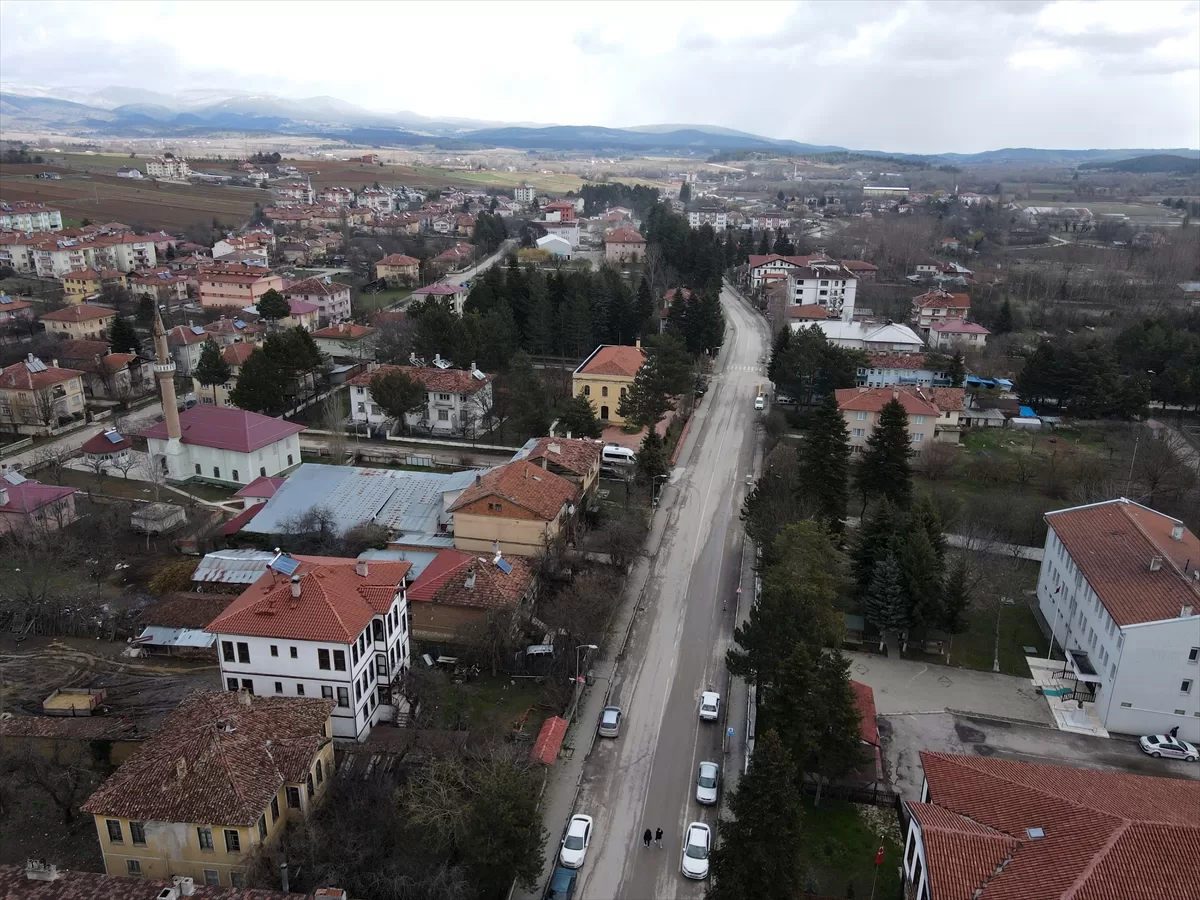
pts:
pixel 1165 745
pixel 708 782
pixel 760 402
pixel 696 844
pixel 575 841
pixel 710 706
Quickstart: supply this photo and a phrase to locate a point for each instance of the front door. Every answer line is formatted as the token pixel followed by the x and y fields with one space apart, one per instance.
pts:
pixel 604 413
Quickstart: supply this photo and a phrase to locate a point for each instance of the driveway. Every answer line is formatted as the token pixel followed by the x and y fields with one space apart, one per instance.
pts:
pixel 905 686
pixel 903 737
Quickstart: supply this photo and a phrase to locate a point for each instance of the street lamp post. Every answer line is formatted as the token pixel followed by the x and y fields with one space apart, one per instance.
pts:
pixel 654 488
pixel 577 649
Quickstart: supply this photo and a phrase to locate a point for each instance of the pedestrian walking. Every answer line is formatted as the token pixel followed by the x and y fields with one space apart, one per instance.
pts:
pixel 1174 732
pixel 658 838
pixel 646 837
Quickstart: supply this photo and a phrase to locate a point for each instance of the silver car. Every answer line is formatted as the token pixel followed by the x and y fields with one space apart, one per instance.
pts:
pixel 708 783
pixel 696 844
pixel 610 722
pixel 1172 748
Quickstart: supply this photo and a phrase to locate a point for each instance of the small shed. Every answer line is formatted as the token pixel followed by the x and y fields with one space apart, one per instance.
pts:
pixel 549 741
pixel 157 518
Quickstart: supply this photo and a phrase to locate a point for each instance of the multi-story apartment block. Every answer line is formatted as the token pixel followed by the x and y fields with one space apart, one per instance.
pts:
pixel 26 216
pixel 939 306
pixel 456 400
pixel 379 200
pixel 314 626
pixel 828 285
pixel 524 194
pixel 887 369
pixel 335 195
pixel 293 193
pixel 17 251
pixel 717 218
pixel 235 285
pixel 1119 590
pixel 167 167
pixel 332 298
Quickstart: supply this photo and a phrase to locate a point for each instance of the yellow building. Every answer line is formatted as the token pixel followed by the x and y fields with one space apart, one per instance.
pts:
pixel 82 322
pixel 606 376
pixel 222 776
pixel 398 266
pixel 519 507
pixel 79 284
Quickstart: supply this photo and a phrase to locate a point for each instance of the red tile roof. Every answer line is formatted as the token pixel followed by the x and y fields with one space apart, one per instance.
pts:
pixel 895 360
pixel 335 602
pixel 1112 544
pixel 756 261
pixel 18 376
pixel 237 353
pixel 938 299
pixel 549 740
pixel 527 485
pixel 447 381
pixel 440 290
pixel 1107 835
pixel 808 311
pixel 82 312
pixel 234 525
pixel 874 400
pixel 30 496
pixel 958 326
pixel 317 287
pixel 99 443
pixel 218 758
pixel 398 259
pixel 344 331
pixel 576 455
pixel 613 359
pixel 445 580
pixel 864 701
pixel 263 486
pixel 82 275
pixel 183 334
pixel 624 236
pixel 227 428
pixel 857 265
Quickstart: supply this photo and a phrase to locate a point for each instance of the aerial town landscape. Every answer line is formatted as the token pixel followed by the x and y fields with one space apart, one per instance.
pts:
pixel 495 500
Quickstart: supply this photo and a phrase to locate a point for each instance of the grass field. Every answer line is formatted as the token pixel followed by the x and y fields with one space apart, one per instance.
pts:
pixel 366 304
pixel 839 848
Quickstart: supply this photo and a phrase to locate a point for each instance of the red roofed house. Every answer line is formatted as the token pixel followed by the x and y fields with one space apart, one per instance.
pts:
pixel 457 594
pixel 36 398
pixel 321 626
pixel 235 286
pixel 220 779
pixel 457 257
pixel 576 459
pixel 773 266
pixel 28 506
pixel 454 294
pixel 519 506
pixel 957 333
pixel 624 244
pixel 108 449
pixel 994 828
pixel 108 375
pixel 933 414
pixel 606 376
pixel 80 322
pixel 456 400
pixel 1118 589
pixel 186 343
pixel 331 297
pixel 13 309
pixel 235 356
pixel 398 266
pixel 225 445
pixel 938 306
pixel 889 369
pixel 346 341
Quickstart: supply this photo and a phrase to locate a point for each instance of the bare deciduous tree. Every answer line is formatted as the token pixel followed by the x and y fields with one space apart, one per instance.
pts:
pixel 939 460
pixel 65 779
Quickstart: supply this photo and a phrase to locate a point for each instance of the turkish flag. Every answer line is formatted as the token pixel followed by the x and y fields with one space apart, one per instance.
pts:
pixel 879 855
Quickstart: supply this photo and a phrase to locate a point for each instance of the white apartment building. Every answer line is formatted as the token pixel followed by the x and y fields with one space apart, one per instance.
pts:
pixel 886 369
pixel 314 626
pixel 379 200
pixel 25 216
pixel 17 251
pixel 717 218
pixel 332 298
pixel 293 193
pixel 524 194
pixel 167 167
pixel 456 400
pixel 829 285
pixel 1119 590
pixel 124 252
pixel 335 195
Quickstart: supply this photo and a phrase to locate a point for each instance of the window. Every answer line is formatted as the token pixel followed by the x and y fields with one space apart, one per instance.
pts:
pixel 299 690
pixel 860 416
pixel 308 785
pixel 1185 686
pixel 275 808
pixel 231 683
pixel 320 772
pixel 233 841
pixel 381 662
pixel 248 685
pixel 243 652
pixel 279 687
pixel 920 420
pixel 293 797
pixel 343 697
pixel 326 692
pixel 237 879
pixel 292 652
pixel 339 660
pixel 916 438
pixel 858 432
pixel 235 475
pixel 133 867
pixel 1194 654
pixel 137 833
pixel 354 654
pixel 323 659
pixel 216 471
pixel 227 650
pixel 604 391
pixel 204 835
pixel 289 459
pixel 587 390
pixel 443 415
pixel 199 471
pixel 274 650
pixel 262 470
pixel 443 396
pixel 212 878
pixel 114 831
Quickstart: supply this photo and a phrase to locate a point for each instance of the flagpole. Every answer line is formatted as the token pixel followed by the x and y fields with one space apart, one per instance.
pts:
pixel 878 862
pixel 1053 628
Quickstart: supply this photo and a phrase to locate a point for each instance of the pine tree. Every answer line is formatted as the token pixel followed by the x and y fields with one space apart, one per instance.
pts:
pixel 877 537
pixel 685 194
pixel 757 853
pixel 825 464
pixel 778 349
pixel 956 598
pixel 145 311
pixel 273 306
pixel 884 468
pixel 398 395
pixel 924 517
pixel 886 606
pixel 121 336
pixel 921 577
pixel 1003 323
pixel 578 419
pixel 652 460
pixel 837 748
pixel 957 371
pixel 764 245
pixel 211 368
pixel 261 384
pixel 529 405
pixel 644 309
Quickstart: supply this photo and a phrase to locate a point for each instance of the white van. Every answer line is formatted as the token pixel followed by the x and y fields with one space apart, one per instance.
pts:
pixel 760 402
pixel 615 454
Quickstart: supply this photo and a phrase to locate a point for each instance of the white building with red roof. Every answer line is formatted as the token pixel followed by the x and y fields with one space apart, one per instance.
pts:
pixel 325 627
pixel 939 306
pixel 998 829
pixel 456 400
pixel 458 593
pixel 225 445
pixel 25 215
pixel 887 369
pixel 332 298
pixel 454 294
pixel 1120 591
pixel 957 334
pixel 624 244
pixel 933 414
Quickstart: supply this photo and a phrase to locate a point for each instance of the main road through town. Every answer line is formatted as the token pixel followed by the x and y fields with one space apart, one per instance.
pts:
pixel 646 777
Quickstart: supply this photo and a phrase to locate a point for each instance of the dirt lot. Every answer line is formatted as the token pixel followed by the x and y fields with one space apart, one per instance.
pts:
pixel 106 198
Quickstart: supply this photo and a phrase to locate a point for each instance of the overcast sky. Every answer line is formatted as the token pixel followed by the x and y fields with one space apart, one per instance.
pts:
pixel 904 76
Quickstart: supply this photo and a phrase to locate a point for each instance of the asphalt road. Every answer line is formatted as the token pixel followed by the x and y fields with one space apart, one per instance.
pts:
pixel 645 778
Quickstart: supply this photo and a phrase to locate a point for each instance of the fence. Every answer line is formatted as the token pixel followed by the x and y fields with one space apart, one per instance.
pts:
pixel 16 447
pixel 872 793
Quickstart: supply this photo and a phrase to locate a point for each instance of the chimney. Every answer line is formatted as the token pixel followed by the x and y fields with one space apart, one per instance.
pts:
pixel 295 587
pixel 54 363
pixel 1155 563
pixel 895 395
pixel 185 884
pixel 360 568
pixel 40 870
pixel 638 343
pixel 1177 531
pixel 283 877
pixel 478 479
pixel 167 893
pixel 469 584
pixel 181 768
pixel 244 698
pixel 3 496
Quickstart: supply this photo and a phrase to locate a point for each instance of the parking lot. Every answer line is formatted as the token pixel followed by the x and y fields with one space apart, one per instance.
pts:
pixel 903 736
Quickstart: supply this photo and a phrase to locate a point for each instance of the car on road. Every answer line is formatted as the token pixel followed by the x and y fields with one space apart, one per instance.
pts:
pixel 710 706
pixel 575 841
pixel 696 844
pixel 562 884
pixel 1172 748
pixel 610 722
pixel 708 782
pixel 760 402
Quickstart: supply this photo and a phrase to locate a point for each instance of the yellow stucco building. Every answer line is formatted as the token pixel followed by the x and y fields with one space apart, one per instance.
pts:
pixel 223 775
pixel 606 376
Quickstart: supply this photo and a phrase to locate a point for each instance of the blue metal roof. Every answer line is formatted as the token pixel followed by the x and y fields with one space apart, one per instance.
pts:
pixel 1028 413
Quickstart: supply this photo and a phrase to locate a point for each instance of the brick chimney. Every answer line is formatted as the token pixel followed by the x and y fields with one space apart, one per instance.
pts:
pixel 360 568
pixel 295 587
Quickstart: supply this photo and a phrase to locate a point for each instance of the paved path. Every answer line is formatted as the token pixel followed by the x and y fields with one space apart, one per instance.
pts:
pixel 138 419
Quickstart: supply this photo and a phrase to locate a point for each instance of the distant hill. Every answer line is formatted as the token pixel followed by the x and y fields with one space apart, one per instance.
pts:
pixel 1165 163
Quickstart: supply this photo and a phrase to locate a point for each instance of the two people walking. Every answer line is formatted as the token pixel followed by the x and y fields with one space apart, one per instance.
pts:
pixel 658 836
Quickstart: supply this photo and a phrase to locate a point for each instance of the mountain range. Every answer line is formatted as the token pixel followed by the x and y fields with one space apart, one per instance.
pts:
pixel 134 112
